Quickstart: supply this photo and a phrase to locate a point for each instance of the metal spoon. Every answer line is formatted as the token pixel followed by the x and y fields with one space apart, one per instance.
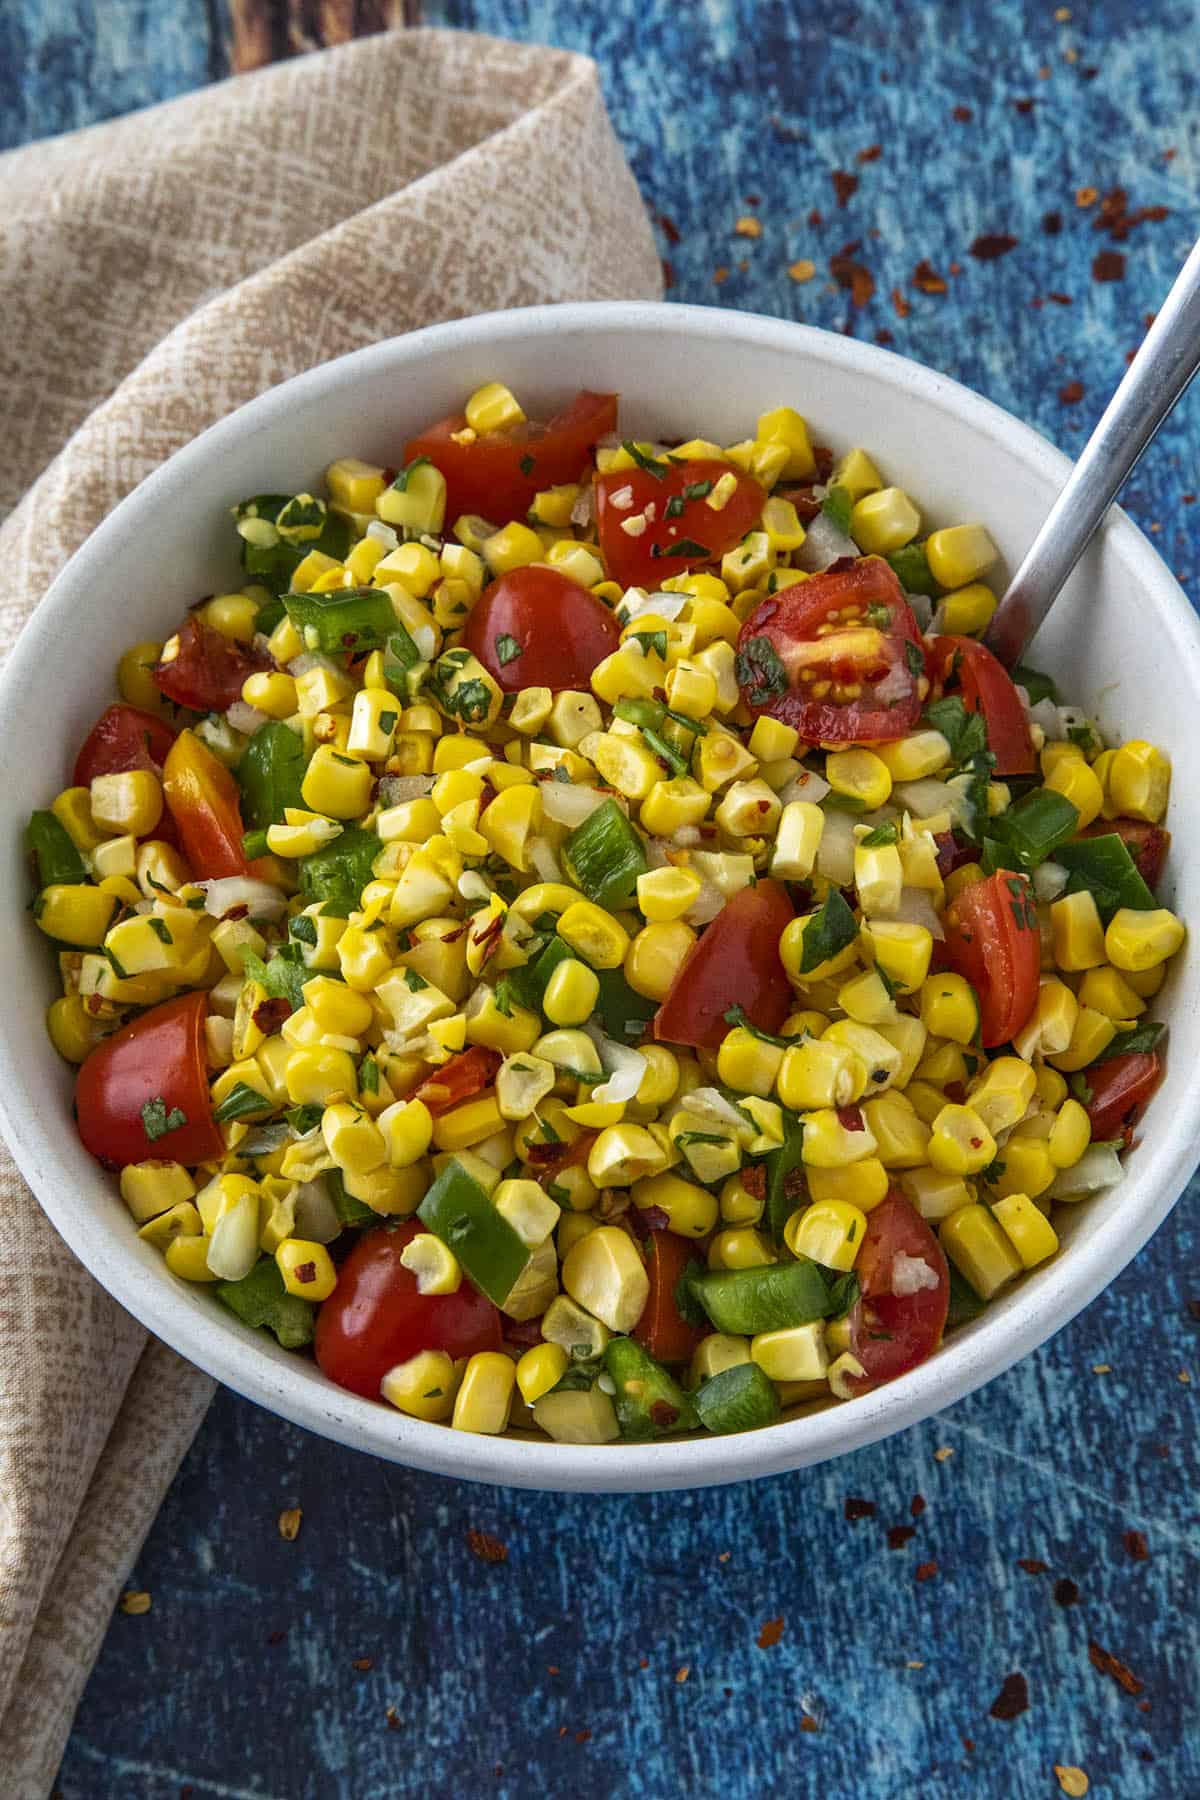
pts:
pixel 1157 376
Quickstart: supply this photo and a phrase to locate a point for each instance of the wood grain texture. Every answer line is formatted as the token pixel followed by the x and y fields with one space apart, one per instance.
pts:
pixel 242 1679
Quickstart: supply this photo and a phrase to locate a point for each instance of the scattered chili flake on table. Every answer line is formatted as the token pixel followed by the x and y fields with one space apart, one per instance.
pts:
pixel 135 1601
pixel 487 1548
pixel 1023 106
pixel 899 1535
pixel 815 217
pixel 770 1634
pixel 916 1505
pixel 670 228
pixel 884 336
pixel 1052 223
pixel 1086 196
pixel 963 114
pixel 852 275
pixel 872 153
pixel 1033 1565
pixel 991 245
pixel 1071 1780
pixel 1184 1377
pixel 1108 1664
pixel 900 303
pixel 944 1454
pixel 1060 299
pixel 808 1723
pixel 1013 1698
pixel 363 1664
pixel 1062 15
pixel 724 1556
pixel 1066 1592
pixel 720 274
pixel 925 1571
pixel 643 1662
pixel 802 270
pixel 748 226
pixel 289 1523
pixel 1136 1546
pixel 276 1637
pixel 1108 266
pixel 393 1719
pixel 668 273
pixel 856 1508
pixel 914 1665
pixel 1071 395
pixel 1097 1368
pixel 844 184
pixel 926 278
pixel 581 1737
pixel 682 1673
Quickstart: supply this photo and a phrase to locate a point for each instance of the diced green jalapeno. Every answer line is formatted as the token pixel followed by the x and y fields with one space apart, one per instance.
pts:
pixel 269 774
pixel 345 619
pixel 458 1210
pixel 605 857
pixel 55 858
pixel 649 1402
pixel 738 1399
pixel 260 1299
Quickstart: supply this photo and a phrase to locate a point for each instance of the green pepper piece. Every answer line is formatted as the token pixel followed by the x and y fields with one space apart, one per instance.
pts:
pixel 1104 866
pixel 528 984
pixel 349 1210
pixel 345 619
pixel 649 1402
pixel 55 858
pixel 268 555
pixel 781 1164
pixel 619 1011
pixel 738 1399
pixel 1034 828
pixel 746 1301
pixel 260 1299
pixel 458 1210
pixel 605 856
pixel 642 713
pixel 270 773
pixel 1036 685
pixel 965 1303
pixel 338 873
pixel 911 569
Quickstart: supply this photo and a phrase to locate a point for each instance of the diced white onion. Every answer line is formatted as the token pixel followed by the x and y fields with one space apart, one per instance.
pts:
pixel 1049 880
pixel 382 533
pixel 624 1066
pixel 635 601
pixel 310 659
pixel 823 544
pixel 472 886
pixel 233 1248
pixel 916 908
pixel 246 718
pixel 570 803
pixel 706 905
pixel 911 1274
pixel 922 610
pixel 401 788
pixel 546 865
pixel 835 854
pixel 1098 1167
pixel 687 837
pixel 1047 715
pixel 927 797
pixel 316 1215
pixel 894 686
pixel 710 1103
pixel 581 512
pixel 807 785
pixel 261 900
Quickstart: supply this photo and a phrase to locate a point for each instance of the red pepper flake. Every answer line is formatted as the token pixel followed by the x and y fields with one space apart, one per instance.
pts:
pixel 552 1669
pixel 669 228
pixel 872 153
pixel 663 1414
pixel 581 1737
pixel 808 1723
pixel 1066 1592
pixel 1052 223
pixel 955 268
pixel 1193 1305
pixel 668 273
pixel 856 1509
pixel 1108 1664
pixel 1071 394
pixel 1023 106
pixel 682 1673
pixel 925 1571
pixel 991 245
pixel 1013 1698
pixel 899 1535
pixel 724 1556
pixel 850 1118
pixel 770 1634
pixel 363 1663
pixel 643 1662
pixel 720 275
pixel 963 114
pixel 271 1015
pixel 916 1505
pixel 1033 1565
pixel 854 276
pixel 884 336
pixel 845 185
pixel 487 1548
pixel 900 303
pixel 306 1272
pixel 968 1745
pixel 1136 1546
pixel 1108 266
pixel 276 1637
pixel 926 278
pixel 815 217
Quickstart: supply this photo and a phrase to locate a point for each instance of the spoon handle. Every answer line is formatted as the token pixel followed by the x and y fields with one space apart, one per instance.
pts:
pixel 1158 375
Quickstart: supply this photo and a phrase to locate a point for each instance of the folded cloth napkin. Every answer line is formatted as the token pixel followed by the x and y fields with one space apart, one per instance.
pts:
pixel 155 273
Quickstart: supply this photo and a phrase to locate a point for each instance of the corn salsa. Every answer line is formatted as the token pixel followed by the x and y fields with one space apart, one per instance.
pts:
pixel 587 938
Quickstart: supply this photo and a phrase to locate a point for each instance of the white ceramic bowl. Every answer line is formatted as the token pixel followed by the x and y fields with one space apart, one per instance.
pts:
pixel 1123 641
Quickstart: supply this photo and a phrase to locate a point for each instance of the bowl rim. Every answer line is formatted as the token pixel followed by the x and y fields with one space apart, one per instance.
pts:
pixel 219 1346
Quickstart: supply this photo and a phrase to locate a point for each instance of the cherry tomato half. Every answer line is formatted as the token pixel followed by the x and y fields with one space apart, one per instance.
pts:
pixel 734 962
pixel 1120 1089
pixel 135 1082
pixel 460 1079
pixel 203 800
pixel 498 474
pixel 676 515
pixel 891 1333
pixel 123 738
pixel 208 673
pixel 856 683
pixel 375 1318
pixel 987 687
pixel 662 1328
pixel 992 939
pixel 537 628
pixel 1146 844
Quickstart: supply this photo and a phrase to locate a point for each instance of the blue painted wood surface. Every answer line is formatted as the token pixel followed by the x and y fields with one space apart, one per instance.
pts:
pixel 242 1680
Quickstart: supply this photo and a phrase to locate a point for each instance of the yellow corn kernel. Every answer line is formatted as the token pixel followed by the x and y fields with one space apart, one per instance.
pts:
pixel 979 1249
pixel 416 500
pixel 738 1205
pixel 791 953
pixel 914 757
pixel 797 840
pixel 571 993
pixel 73 1031
pixel 1107 991
pixel 510 821
pixel 968 612
pixel 424 1387
pixel 1051 1088
pixel 691 1210
pixel 390 1192
pixel 233 615
pixel 749 809
pixel 530 1211
pixel 690 690
pixel 666 894
pixel 187 1257
pixel 820 1073
pixel 468 1124
pixel 509 1032
pixel 624 763
pixel 493 408
pixel 336 785
pixel 424 889
pixel 1137 941
pixel 749 563
pixel 716 1353
pixel 1070 1135
pixel 514 546
pixel 879 1056
pixel 1138 781
pixel 604 1274
pixel 861 775
pixel 594 935
pixel 741 1247
pixel 1050 1026
pixel 857 474
pixel 319 1076
pixel 1092 1035
pixel 129 802
pixel 116 858
pixel 436 1267
pixel 878 879
pixel 540 1369
pixel 655 957
pixel 862 1184
pixel 273 693
pixel 961 1143
pixel 573 717
pixel 180 1220
pixel 830 1232
pixel 1026 1227
pixel 671 805
pixel 829 1144
pixel 364 957
pixel 135 680
pixel 301 835
pixel 720 758
pixel 484 1398
pixel 353 1140
pixel 748 1063
pixel 337 1007
pixel 927 1101
pixel 962 878
pixel 150 1189
pixel 74 913
pixel 866 1000
pixel 1028 1167
pixel 902 951
pixel 1146 982
pixel 885 520
pixel 1076 782
pixel 795 1353
pixel 307 1268
pixel 949 1008
pixel 1003 1093
pixel 781 525
pixel 1077 932
pixel 353 485
pixel 934 1193
pixel 901 1135
pixel 784 425
pixel 959 554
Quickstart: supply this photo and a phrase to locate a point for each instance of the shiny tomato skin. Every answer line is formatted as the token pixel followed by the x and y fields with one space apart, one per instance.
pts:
pixel 1120 1089
pixel 160 1055
pixel 892 1333
pixel 209 671
pixel 643 561
pixel 992 939
pixel 662 1328
pixel 486 477
pixel 789 622
pixel 734 962
pixel 203 800
pixel 123 738
pixel 375 1318
pixel 987 687
pixel 1147 844
pixel 460 1079
pixel 563 630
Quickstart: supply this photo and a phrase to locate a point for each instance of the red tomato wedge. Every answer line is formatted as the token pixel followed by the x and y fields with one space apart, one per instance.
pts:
pixel 992 938
pixel 498 474
pixel 135 1082
pixel 375 1318
pixel 679 530
pixel 662 1328
pixel 208 673
pixel 460 1079
pixel 536 628
pixel 734 962
pixel 838 657
pixel 123 738
pixel 1146 844
pixel 893 1332
pixel 1120 1089
pixel 203 800
pixel 986 686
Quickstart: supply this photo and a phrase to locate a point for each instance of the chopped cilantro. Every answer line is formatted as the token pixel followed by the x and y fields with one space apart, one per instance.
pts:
pixel 157 1121
pixel 507 648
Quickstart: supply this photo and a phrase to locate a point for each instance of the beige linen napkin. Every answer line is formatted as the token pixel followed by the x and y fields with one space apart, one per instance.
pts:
pixel 154 274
